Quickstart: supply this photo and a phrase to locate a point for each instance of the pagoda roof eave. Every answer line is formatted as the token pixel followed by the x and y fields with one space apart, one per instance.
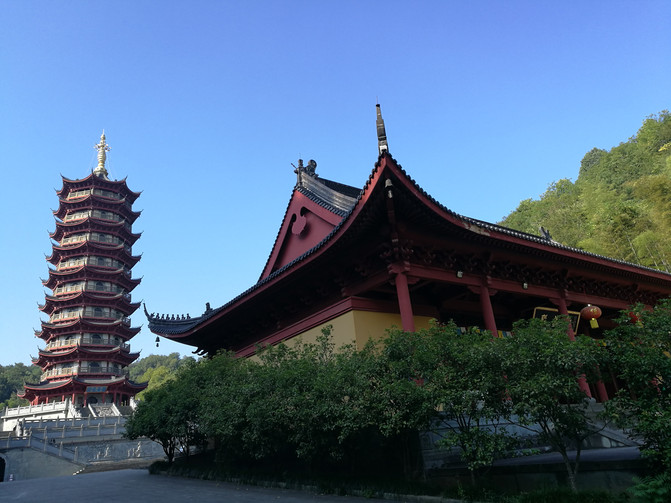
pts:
pixel 122 205
pixel 89 294
pixel 93 244
pixel 119 253
pixel 113 354
pixel 82 324
pixel 117 229
pixel 47 385
pixel 90 272
pixel 86 350
pixel 122 382
pixel 123 331
pixel 92 179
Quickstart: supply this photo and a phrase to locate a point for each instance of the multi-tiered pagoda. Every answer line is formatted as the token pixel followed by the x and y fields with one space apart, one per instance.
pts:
pixel 89 307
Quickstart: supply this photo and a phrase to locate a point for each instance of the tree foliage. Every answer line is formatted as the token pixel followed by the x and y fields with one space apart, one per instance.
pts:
pixel 619 206
pixel 168 415
pixel 157 369
pixel 12 378
pixel 542 368
pixel 640 352
pixel 458 387
pixel 311 406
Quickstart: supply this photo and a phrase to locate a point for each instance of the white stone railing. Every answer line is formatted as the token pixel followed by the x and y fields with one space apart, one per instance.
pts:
pixel 36 409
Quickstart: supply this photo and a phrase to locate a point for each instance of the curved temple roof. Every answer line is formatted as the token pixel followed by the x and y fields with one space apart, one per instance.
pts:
pixel 389 177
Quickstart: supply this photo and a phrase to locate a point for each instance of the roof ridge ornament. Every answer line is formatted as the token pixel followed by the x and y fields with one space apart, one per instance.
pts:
pixel 310 169
pixel 381 133
pixel 102 149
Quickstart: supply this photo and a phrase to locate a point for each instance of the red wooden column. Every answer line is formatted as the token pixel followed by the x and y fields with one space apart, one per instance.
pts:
pixel 403 295
pixel 561 306
pixel 398 269
pixel 487 310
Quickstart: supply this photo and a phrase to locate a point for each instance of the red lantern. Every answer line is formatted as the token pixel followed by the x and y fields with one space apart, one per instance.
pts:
pixel 592 313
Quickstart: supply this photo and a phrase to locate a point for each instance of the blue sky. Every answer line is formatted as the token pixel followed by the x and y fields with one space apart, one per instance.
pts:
pixel 207 103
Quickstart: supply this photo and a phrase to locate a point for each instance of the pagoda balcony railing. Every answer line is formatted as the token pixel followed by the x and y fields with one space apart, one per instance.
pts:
pixel 95 237
pixel 103 369
pixel 107 193
pixel 97 214
pixel 88 341
pixel 74 264
pixel 78 288
pixel 77 194
pixel 67 317
pixel 72 371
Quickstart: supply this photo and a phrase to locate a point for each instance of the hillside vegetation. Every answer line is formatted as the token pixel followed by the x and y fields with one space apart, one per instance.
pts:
pixel 620 204
pixel 153 369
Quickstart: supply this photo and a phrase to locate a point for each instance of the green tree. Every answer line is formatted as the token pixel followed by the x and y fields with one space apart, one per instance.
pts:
pixel 223 403
pixel 308 401
pixel 541 365
pixel 460 387
pixel 168 415
pixel 152 419
pixel 156 370
pixel 12 378
pixel 526 217
pixel 640 351
pixel 590 160
pixel 171 363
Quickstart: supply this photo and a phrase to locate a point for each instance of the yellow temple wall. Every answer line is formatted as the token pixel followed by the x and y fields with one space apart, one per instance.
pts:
pixel 358 327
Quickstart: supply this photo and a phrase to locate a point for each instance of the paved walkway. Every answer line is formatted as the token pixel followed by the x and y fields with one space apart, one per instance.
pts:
pixel 131 486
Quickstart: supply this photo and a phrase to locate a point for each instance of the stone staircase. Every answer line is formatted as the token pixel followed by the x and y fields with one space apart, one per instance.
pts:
pixel 44 445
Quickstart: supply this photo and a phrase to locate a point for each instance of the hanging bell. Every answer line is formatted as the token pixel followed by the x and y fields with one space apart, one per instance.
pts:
pixel 157 341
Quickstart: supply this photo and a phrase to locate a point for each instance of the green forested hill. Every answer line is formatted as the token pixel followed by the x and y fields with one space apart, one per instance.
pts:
pixel 620 205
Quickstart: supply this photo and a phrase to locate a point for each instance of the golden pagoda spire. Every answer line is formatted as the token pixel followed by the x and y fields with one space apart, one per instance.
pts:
pixel 102 149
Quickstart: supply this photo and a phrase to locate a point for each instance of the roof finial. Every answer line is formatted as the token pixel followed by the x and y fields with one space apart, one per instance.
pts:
pixel 381 133
pixel 102 149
